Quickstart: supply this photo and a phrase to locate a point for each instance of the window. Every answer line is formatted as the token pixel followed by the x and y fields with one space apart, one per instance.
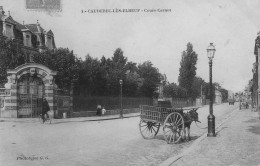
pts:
pixel 49 42
pixel 9 31
pixel 2 101
pixel 27 40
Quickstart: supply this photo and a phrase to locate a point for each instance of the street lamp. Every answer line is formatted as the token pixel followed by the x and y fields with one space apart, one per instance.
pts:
pixel 121 110
pixel 211 118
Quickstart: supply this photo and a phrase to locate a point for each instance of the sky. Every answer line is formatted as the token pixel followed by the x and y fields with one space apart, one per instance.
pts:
pixel 159 37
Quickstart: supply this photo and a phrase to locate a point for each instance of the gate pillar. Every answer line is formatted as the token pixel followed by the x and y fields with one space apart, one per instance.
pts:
pixel 49 95
pixel 11 102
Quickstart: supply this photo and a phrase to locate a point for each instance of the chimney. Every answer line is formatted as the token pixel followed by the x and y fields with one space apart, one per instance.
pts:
pixel 38 27
pixel 2 10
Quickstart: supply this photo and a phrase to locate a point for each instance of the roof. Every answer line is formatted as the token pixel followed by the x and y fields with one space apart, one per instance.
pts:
pixel 34 28
pixel 20 26
pixel 8 19
pixel 50 33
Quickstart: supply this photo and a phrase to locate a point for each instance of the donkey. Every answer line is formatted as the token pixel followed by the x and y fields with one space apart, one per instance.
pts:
pixel 189 117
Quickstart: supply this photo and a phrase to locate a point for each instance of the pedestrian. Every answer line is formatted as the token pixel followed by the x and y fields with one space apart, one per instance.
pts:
pixel 45 109
pixel 99 110
pixel 103 111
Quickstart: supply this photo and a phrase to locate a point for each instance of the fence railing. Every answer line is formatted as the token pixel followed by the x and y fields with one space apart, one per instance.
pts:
pixel 110 103
pixel 4 92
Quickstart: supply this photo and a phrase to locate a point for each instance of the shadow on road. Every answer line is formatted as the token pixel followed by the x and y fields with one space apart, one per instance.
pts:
pixel 254 129
pixel 161 137
pixel 221 130
pixel 252 121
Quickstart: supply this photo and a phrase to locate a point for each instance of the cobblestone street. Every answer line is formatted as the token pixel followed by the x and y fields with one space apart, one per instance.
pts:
pixel 237 143
pixel 110 142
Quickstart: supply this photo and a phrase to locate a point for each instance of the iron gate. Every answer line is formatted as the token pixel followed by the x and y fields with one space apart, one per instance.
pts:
pixel 30 99
pixel 30 105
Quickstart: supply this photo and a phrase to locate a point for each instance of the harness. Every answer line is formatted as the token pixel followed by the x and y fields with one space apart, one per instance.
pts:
pixel 200 127
pixel 189 118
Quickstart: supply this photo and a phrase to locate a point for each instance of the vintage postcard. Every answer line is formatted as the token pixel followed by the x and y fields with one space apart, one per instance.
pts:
pixel 129 82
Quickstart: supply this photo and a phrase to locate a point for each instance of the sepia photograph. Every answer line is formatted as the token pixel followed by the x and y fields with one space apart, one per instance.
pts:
pixel 129 83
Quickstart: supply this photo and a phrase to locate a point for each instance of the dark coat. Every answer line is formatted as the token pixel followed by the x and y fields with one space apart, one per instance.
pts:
pixel 45 107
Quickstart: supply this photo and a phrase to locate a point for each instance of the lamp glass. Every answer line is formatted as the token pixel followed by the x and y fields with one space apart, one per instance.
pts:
pixel 211 51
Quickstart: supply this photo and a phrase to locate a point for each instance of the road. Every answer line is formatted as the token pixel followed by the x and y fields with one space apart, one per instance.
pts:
pixel 98 143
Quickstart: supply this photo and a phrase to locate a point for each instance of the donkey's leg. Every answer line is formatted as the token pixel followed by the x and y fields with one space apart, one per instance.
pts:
pixel 189 133
pixel 184 134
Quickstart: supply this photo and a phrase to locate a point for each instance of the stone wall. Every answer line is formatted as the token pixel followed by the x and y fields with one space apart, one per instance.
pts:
pixel 108 112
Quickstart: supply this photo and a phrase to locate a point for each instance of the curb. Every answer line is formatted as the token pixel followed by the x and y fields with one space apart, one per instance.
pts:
pixel 112 118
pixel 66 120
pixel 173 159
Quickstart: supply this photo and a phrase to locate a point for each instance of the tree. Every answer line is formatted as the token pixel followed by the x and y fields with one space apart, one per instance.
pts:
pixel 91 77
pixel 151 78
pixel 114 71
pixel 187 71
pixel 198 86
pixel 131 85
pixel 224 94
pixel 171 90
pixel 64 62
pixel 11 56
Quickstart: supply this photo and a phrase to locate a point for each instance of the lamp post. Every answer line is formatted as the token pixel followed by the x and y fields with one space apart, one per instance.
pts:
pixel 211 118
pixel 121 108
pixel 257 54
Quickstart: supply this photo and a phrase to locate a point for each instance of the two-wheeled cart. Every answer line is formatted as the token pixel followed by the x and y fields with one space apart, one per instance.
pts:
pixel 171 119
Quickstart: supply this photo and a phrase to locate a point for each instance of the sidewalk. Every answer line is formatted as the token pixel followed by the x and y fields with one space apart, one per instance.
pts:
pixel 237 143
pixel 78 119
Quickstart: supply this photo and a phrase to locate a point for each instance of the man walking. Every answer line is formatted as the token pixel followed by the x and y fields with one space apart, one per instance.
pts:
pixel 45 109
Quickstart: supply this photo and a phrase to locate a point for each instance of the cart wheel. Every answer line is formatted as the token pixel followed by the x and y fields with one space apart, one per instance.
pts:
pixel 173 127
pixel 148 129
pixel 40 119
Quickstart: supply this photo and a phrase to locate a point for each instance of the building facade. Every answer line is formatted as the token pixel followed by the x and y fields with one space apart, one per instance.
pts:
pixel 29 83
pixel 255 81
pixel 218 97
pixel 32 37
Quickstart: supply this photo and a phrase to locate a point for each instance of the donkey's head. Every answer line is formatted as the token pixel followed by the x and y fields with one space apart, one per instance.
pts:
pixel 193 115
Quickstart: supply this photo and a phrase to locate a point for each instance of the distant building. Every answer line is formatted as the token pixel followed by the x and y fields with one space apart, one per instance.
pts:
pixel 164 82
pixel 255 80
pixel 231 95
pixel 218 97
pixel 32 36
